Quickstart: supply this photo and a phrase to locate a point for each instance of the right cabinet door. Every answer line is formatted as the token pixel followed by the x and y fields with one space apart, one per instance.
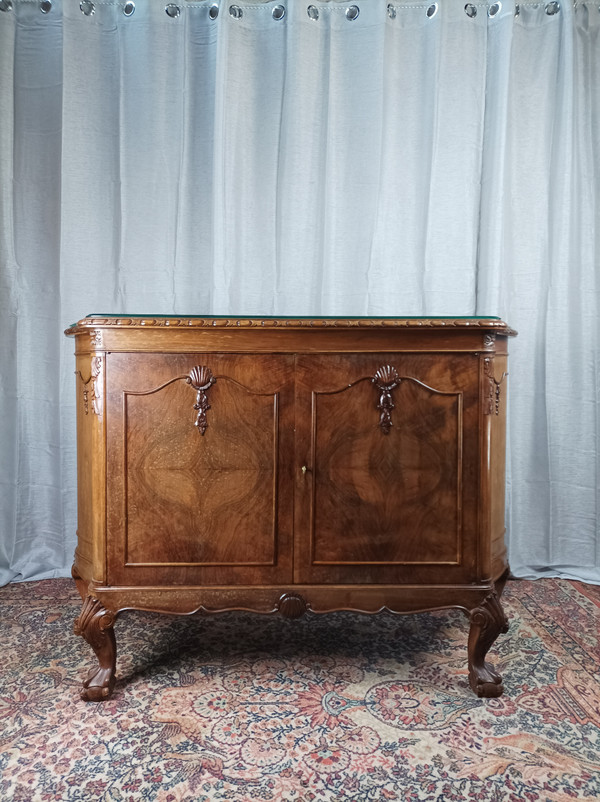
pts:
pixel 388 468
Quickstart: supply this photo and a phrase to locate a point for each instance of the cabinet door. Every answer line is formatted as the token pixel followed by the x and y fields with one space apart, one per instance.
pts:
pixel 199 482
pixel 387 489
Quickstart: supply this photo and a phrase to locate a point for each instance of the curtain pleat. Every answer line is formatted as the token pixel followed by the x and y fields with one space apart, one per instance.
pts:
pixel 355 158
pixel 548 287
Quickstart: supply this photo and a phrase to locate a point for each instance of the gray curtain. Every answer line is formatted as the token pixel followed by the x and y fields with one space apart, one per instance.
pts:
pixel 408 159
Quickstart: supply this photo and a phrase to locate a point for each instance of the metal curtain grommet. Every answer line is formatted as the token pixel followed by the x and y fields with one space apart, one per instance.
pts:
pixel 87 7
pixel 494 9
pixel 552 8
pixel 471 10
pixel 517 10
pixel 391 11
pixel 352 13
pixel 46 6
pixel 313 12
pixel 432 10
pixel 5 5
pixel 172 11
pixel 236 12
pixel 213 11
pixel 129 8
pixel 278 12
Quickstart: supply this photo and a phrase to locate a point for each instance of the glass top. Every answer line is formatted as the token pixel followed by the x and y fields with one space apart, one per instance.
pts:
pixel 491 323
pixel 298 317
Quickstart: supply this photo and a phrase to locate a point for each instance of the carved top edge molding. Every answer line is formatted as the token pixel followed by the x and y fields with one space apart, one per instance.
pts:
pixel 86 324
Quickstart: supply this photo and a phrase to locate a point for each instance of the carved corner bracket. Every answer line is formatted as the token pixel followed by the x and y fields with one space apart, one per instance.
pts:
pixel 201 379
pixel 493 392
pixel 93 621
pixel 386 379
pixel 92 387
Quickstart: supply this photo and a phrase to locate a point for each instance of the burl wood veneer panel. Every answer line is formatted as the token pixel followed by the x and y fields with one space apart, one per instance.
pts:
pixel 390 491
pixel 198 487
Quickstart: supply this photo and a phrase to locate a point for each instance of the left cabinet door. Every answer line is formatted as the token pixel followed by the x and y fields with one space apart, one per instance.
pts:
pixel 199 468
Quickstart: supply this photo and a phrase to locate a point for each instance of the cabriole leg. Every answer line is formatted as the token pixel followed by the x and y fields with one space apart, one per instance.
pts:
pixel 487 622
pixel 95 624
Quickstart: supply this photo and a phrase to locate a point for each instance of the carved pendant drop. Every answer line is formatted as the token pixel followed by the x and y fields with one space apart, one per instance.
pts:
pixel 494 387
pixel 201 379
pixel 93 387
pixel 386 379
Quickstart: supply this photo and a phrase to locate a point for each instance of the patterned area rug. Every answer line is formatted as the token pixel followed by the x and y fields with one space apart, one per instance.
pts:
pixel 339 708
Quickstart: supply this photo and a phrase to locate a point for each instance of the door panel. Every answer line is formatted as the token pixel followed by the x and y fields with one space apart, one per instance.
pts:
pixel 387 447
pixel 202 493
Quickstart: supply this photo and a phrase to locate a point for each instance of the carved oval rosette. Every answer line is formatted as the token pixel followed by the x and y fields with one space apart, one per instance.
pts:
pixel 292 605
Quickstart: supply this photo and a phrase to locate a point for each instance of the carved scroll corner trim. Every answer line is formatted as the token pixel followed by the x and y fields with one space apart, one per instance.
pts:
pixel 201 379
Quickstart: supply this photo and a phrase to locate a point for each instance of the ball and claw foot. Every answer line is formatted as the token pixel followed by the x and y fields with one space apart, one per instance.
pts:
pixel 487 622
pixel 98 685
pixel 487 682
pixel 95 625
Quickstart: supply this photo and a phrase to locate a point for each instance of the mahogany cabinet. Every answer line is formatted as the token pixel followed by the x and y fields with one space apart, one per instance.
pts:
pixel 290 465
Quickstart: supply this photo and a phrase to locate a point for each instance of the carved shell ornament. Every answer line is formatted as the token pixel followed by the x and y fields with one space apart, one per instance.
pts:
pixel 201 379
pixel 386 379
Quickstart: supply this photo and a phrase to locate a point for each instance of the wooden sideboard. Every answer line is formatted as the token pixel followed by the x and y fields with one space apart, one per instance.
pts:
pixel 290 465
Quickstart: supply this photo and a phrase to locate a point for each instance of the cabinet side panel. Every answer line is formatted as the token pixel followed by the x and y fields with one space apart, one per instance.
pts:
pixel 90 560
pixel 498 472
